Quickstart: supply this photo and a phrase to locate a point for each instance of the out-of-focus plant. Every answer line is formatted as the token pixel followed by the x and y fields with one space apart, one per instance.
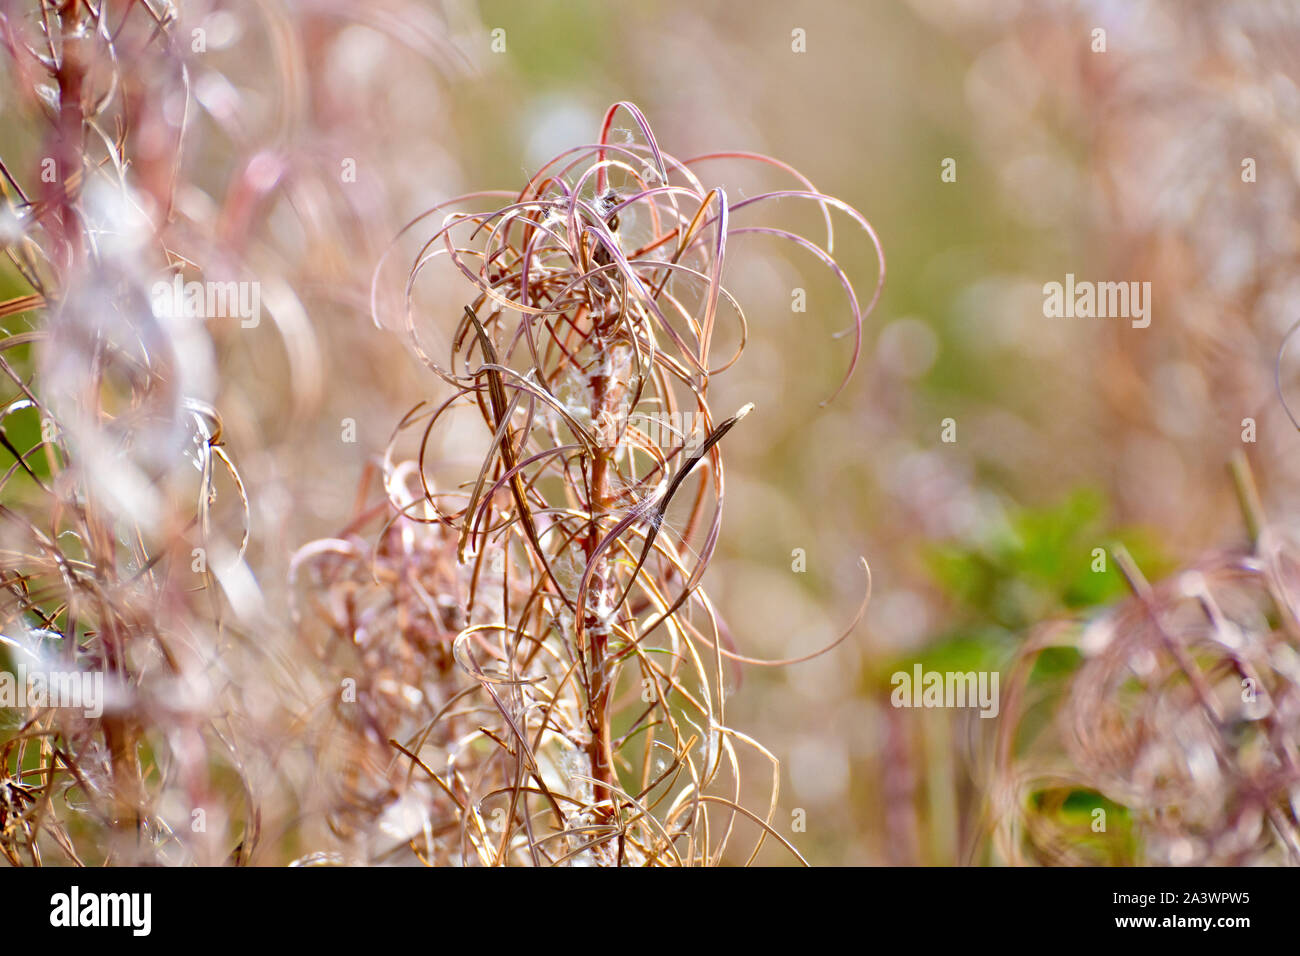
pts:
pixel 1172 738
pixel 119 505
pixel 1038 563
pixel 537 652
pixel 1033 565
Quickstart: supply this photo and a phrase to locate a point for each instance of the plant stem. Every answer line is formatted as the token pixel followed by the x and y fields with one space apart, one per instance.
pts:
pixel 599 749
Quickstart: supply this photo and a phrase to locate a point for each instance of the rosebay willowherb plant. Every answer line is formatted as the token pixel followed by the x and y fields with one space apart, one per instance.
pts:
pixel 538 677
pixel 1173 741
pixel 119 506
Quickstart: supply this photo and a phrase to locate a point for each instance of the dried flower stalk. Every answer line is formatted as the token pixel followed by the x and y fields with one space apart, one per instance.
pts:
pixel 585 721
